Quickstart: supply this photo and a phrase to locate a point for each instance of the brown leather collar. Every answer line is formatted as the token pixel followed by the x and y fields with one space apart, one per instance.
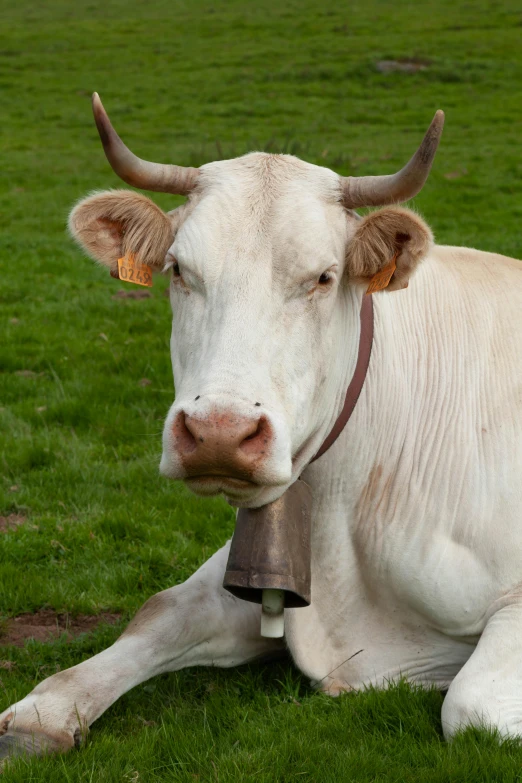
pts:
pixel 359 375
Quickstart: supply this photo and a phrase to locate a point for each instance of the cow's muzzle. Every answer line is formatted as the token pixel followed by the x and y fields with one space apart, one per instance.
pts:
pixel 222 444
pixel 217 448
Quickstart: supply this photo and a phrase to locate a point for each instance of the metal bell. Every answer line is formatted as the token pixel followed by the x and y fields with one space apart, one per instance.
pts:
pixel 270 550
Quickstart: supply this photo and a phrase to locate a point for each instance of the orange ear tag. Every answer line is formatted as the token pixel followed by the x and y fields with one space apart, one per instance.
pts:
pixel 381 278
pixel 131 272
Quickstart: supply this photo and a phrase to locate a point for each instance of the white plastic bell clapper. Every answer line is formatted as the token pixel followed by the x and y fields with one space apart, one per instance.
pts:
pixel 272 614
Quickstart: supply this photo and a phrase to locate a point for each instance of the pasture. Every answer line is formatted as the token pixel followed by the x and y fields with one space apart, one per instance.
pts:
pixel 87 526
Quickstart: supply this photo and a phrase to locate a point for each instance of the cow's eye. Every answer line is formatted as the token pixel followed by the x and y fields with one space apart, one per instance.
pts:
pixel 176 272
pixel 325 278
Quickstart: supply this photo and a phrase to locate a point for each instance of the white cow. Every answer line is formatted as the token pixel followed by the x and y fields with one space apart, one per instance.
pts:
pixel 416 533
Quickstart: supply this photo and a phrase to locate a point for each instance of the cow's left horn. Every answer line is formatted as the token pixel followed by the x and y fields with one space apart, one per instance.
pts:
pixel 395 188
pixel 134 171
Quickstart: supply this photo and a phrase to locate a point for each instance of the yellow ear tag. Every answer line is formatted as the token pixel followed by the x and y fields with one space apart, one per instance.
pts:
pixel 131 272
pixel 381 278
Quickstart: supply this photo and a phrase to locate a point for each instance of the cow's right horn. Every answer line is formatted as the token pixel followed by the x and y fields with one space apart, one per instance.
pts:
pixel 399 187
pixel 139 173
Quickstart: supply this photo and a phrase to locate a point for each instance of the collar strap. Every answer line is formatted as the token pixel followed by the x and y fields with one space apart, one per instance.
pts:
pixel 359 375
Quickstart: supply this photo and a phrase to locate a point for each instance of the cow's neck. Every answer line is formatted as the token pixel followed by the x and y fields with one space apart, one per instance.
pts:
pixel 391 428
pixel 359 376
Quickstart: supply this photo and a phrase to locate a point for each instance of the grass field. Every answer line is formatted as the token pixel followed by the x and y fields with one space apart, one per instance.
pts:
pixel 188 82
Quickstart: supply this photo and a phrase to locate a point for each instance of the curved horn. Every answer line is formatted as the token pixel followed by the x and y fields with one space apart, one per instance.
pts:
pixel 135 171
pixel 395 188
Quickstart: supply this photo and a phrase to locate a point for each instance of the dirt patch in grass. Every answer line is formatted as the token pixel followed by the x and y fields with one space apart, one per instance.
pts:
pixel 11 522
pixel 45 625
pixel 404 65
pixel 457 174
pixel 29 374
pixel 138 294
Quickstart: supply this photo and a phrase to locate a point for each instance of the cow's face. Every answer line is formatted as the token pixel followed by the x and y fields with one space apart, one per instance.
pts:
pixel 267 272
pixel 258 309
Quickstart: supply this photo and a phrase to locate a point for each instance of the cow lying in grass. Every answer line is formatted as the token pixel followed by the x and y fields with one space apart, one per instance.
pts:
pixel 416 544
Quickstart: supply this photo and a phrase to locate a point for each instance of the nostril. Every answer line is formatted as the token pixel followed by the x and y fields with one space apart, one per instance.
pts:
pixel 185 439
pixel 257 441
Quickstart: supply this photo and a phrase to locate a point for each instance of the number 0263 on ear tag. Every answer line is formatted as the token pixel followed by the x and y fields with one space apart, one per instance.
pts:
pixel 131 272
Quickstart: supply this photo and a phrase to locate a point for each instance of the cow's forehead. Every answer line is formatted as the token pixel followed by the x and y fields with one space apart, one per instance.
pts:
pixel 264 205
pixel 267 176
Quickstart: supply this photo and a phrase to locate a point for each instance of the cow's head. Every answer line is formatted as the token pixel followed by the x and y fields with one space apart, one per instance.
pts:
pixel 268 267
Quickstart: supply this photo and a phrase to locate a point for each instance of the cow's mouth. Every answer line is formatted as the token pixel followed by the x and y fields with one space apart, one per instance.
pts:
pixel 234 488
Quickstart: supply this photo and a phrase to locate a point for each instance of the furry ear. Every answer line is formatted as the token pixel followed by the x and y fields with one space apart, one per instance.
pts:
pixel 381 235
pixel 109 225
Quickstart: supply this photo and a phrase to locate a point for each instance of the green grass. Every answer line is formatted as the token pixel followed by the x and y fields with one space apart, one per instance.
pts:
pixel 188 82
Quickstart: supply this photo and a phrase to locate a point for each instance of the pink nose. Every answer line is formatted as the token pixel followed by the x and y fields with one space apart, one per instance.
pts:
pixel 222 444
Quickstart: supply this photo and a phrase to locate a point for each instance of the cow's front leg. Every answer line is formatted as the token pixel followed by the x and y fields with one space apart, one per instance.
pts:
pixel 487 691
pixel 197 623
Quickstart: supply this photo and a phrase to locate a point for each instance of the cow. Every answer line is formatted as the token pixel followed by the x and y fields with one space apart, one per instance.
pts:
pixel 416 551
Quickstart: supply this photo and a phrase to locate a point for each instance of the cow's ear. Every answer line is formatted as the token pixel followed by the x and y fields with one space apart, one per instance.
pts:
pixel 109 225
pixel 384 235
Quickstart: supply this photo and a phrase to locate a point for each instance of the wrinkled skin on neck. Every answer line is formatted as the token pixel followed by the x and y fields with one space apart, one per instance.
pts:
pixel 254 330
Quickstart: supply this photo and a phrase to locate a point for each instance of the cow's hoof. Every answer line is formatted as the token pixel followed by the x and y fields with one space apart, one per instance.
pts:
pixel 15 743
